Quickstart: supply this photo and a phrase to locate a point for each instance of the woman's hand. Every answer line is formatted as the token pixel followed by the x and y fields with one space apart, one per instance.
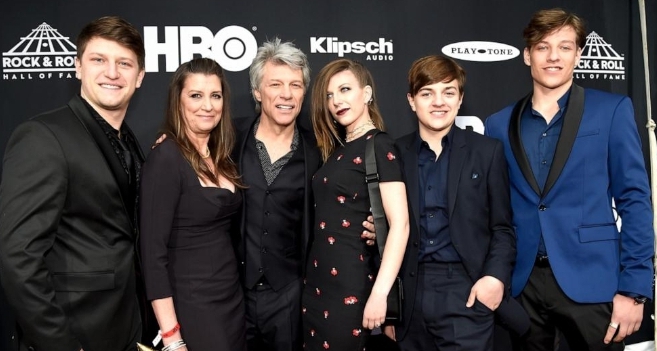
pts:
pixel 375 311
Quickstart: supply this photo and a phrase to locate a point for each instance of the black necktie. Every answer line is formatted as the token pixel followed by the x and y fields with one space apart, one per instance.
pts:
pixel 127 155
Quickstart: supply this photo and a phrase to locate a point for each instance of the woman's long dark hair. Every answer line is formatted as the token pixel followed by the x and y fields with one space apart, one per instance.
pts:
pixel 222 136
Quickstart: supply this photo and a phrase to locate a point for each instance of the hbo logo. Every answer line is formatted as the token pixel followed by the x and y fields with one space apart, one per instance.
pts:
pixel 234 47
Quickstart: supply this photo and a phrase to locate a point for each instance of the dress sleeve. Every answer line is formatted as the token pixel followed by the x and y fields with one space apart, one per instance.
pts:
pixel 387 158
pixel 160 192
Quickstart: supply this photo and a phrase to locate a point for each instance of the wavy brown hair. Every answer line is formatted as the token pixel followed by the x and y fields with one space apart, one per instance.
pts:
pixel 328 132
pixel 546 22
pixel 222 137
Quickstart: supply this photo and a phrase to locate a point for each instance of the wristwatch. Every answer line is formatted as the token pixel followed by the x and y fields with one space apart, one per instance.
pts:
pixel 640 300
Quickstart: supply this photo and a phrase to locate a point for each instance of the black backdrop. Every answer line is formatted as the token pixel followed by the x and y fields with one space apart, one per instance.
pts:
pixel 37 43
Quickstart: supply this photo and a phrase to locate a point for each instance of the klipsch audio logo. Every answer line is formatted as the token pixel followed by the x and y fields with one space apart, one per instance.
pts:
pixel 380 50
pixel 42 54
pixel 480 51
pixel 599 60
pixel 233 47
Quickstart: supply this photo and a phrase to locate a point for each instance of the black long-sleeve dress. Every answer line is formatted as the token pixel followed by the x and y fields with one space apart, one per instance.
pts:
pixel 187 252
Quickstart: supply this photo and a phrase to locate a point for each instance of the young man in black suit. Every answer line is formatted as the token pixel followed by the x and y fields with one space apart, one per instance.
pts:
pixel 67 205
pixel 461 248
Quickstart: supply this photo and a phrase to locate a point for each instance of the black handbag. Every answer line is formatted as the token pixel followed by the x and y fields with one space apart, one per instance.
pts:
pixel 396 294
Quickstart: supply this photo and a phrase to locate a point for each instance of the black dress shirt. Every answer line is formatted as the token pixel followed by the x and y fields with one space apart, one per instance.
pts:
pixel 539 139
pixel 435 242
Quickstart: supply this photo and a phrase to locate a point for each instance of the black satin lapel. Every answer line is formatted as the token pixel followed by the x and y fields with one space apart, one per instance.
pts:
pixel 139 151
pixel 84 116
pixel 571 120
pixel 516 143
pixel 409 158
pixel 457 155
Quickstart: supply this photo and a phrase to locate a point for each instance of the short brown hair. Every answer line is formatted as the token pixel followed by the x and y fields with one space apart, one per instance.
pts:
pixel 545 22
pixel 434 69
pixel 116 29
pixel 326 131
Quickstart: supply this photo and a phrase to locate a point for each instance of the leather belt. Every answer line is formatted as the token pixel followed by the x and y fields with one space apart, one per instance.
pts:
pixel 542 261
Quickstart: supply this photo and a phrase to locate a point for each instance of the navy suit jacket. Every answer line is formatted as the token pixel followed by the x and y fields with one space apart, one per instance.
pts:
pixel 479 211
pixel 598 157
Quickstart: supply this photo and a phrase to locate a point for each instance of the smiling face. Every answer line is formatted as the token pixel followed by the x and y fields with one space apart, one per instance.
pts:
pixel 347 100
pixel 280 94
pixel 553 60
pixel 201 102
pixel 436 106
pixel 109 74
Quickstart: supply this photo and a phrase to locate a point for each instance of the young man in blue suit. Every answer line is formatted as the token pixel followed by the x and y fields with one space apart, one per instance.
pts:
pixel 570 151
pixel 461 248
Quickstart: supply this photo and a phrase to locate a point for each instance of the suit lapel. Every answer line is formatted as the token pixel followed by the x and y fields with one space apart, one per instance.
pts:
pixel 457 154
pixel 84 116
pixel 516 143
pixel 571 120
pixel 411 172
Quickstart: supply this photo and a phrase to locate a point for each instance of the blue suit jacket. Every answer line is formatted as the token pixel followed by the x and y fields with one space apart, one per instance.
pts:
pixel 598 156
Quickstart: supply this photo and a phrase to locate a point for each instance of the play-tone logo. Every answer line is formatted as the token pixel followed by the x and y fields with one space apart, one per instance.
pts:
pixel 233 47
pixel 599 60
pixel 42 54
pixel 380 50
pixel 480 51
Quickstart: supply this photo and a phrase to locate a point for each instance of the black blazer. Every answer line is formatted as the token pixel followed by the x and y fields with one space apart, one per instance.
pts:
pixel 479 210
pixel 244 128
pixel 67 240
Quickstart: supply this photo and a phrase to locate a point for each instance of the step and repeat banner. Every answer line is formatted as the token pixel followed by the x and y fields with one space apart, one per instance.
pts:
pixel 37 44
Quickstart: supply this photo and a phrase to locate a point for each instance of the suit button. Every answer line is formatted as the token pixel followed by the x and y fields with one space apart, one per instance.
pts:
pixel 265 232
pixel 267 192
pixel 415 243
pixel 412 274
pixel 266 213
pixel 260 270
pixel 263 250
pixel 542 207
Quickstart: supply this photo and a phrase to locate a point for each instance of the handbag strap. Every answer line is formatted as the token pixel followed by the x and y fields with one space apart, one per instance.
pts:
pixel 372 180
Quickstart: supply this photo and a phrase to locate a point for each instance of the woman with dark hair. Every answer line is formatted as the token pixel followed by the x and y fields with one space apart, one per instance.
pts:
pixel 189 198
pixel 345 297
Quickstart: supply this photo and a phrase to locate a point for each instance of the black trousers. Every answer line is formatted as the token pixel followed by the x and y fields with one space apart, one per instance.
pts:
pixel 550 311
pixel 273 318
pixel 440 319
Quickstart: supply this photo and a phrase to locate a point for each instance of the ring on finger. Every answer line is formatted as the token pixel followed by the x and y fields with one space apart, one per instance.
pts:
pixel 613 325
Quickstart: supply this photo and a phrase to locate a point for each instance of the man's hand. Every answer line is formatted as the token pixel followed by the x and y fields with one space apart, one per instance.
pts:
pixel 626 317
pixel 159 141
pixel 369 234
pixel 488 290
